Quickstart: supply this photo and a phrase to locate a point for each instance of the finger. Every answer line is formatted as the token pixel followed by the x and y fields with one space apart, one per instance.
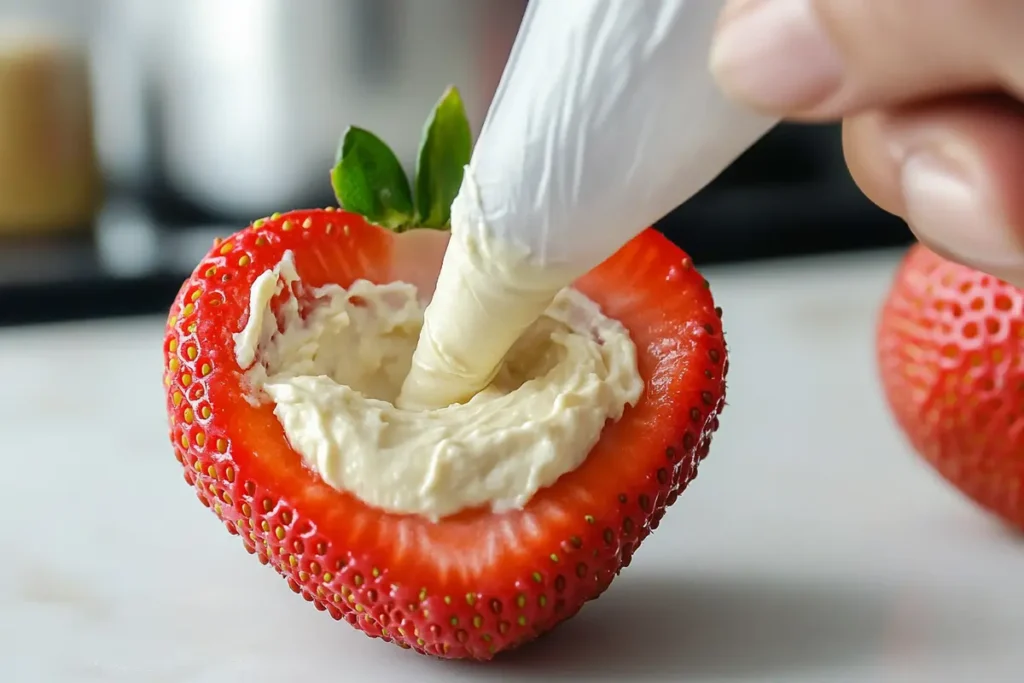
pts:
pixel 821 59
pixel 871 164
pixel 953 171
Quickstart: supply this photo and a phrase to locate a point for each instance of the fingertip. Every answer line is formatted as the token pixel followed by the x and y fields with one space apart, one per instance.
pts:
pixel 951 170
pixel 872 168
pixel 960 165
pixel 948 203
pixel 774 56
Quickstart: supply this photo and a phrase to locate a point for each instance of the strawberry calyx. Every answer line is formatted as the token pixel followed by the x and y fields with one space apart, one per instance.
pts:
pixel 368 179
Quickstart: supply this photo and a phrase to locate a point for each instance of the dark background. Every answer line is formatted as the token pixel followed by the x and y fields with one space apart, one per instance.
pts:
pixel 789 195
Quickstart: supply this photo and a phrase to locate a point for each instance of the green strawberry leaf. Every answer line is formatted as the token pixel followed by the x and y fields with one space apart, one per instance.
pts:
pixel 444 152
pixel 369 180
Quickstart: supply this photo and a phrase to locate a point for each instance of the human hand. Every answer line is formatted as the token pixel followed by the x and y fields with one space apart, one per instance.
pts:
pixel 930 94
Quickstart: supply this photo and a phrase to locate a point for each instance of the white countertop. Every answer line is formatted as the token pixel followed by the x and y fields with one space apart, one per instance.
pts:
pixel 813 547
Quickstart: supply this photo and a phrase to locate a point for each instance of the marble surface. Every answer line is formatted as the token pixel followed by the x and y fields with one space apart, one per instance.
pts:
pixel 813 547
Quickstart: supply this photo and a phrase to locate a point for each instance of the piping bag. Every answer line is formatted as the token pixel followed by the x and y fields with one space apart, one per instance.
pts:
pixel 606 118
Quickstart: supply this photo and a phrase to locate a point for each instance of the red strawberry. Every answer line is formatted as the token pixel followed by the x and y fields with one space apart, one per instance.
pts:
pixel 479 582
pixel 951 353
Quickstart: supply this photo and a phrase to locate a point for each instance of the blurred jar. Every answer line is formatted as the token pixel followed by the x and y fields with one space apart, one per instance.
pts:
pixel 49 176
pixel 254 94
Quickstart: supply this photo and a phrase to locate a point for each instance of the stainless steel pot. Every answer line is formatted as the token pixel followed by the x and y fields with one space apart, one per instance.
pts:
pixel 253 94
pixel 122 47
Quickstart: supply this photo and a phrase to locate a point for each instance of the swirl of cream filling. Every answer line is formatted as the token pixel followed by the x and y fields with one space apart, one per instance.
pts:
pixel 334 372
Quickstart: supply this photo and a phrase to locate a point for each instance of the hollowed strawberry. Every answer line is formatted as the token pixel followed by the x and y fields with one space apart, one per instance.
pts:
pixel 479 582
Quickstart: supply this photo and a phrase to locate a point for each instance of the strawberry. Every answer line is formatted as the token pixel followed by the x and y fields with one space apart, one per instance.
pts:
pixel 951 354
pixel 478 582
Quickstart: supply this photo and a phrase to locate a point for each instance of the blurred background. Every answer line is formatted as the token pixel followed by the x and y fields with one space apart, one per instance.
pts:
pixel 133 132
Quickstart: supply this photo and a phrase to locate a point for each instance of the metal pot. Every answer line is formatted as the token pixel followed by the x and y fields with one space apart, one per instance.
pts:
pixel 253 94
pixel 122 41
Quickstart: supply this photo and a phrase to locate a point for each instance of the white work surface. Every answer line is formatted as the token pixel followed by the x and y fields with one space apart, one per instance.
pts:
pixel 813 547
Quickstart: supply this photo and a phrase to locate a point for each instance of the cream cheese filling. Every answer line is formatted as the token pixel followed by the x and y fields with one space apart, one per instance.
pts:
pixel 334 372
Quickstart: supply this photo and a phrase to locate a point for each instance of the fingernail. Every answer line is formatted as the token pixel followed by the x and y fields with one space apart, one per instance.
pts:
pixel 947 207
pixel 774 55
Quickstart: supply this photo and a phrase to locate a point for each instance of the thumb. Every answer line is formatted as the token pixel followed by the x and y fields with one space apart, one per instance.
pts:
pixel 817 59
pixel 952 169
